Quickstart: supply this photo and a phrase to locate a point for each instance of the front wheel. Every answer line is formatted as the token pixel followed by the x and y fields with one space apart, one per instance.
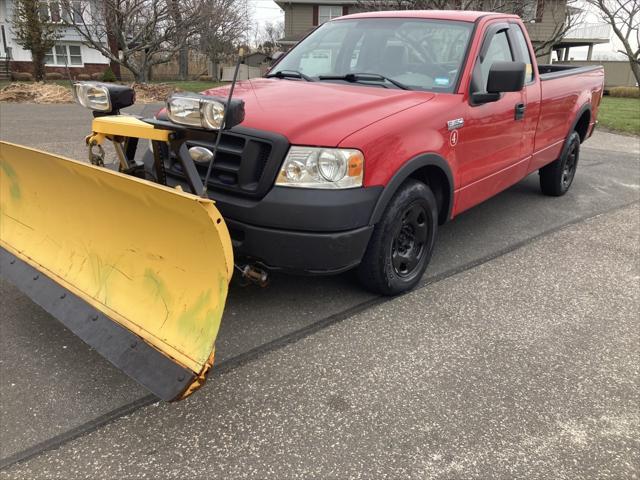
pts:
pixel 402 242
pixel 557 177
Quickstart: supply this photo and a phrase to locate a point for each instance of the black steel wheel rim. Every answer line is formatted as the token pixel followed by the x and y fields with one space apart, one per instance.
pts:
pixel 570 164
pixel 409 242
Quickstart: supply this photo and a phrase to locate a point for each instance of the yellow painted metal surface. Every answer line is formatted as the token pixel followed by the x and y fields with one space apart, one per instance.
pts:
pixel 154 259
pixel 128 126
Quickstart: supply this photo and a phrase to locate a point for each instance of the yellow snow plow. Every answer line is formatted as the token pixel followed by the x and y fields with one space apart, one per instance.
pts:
pixel 136 269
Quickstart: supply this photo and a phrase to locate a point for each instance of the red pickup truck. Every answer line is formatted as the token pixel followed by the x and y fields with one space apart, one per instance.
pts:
pixel 378 127
pixel 366 136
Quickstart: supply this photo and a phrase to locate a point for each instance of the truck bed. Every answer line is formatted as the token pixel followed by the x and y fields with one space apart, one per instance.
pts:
pixel 566 104
pixel 550 72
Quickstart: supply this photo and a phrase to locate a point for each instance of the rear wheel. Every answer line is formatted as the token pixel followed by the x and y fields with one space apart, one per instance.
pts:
pixel 402 242
pixel 557 177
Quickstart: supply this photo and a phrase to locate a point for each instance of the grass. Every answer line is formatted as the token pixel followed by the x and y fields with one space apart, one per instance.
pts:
pixel 192 86
pixel 620 114
pixel 628 92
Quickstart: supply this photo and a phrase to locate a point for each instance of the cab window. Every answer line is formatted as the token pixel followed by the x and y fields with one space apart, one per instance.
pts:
pixel 499 51
pixel 526 56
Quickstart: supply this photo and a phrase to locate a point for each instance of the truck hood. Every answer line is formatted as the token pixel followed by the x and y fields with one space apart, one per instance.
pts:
pixel 317 113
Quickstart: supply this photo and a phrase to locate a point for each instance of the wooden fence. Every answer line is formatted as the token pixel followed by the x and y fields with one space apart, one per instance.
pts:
pixel 169 71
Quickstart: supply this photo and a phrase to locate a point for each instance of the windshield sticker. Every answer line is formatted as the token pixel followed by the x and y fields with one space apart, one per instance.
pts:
pixel 442 81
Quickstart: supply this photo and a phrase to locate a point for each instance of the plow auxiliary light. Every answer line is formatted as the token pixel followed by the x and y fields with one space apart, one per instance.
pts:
pixel 202 111
pixel 105 98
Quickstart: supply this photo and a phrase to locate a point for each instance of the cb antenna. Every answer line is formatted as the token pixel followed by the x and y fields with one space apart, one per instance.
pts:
pixel 224 121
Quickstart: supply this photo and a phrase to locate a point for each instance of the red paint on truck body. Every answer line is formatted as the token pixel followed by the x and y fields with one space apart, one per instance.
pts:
pixel 391 126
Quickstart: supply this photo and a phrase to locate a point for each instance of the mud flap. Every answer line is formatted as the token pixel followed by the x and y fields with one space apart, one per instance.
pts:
pixel 137 270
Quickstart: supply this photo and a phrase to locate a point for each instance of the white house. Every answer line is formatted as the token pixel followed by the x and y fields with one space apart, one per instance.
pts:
pixel 69 48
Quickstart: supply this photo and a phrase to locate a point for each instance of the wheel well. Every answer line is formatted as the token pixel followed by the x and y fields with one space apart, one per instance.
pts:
pixel 439 184
pixel 583 125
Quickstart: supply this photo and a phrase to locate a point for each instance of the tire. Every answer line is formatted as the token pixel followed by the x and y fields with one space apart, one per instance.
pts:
pixel 402 242
pixel 557 177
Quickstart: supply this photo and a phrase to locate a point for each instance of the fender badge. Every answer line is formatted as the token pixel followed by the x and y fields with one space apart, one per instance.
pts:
pixel 453 138
pixel 456 123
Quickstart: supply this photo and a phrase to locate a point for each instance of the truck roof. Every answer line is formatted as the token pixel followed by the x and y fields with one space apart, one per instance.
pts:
pixel 459 15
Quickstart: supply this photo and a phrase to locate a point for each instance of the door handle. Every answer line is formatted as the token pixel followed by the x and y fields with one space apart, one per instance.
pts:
pixel 520 109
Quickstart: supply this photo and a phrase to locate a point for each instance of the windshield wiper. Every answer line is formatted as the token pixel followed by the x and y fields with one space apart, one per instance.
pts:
pixel 290 74
pixel 366 77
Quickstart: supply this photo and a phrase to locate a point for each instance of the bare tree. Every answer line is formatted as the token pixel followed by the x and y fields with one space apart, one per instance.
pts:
pixel 224 26
pixel 624 18
pixel 36 28
pixel 183 52
pixel 270 34
pixel 147 32
pixel 561 17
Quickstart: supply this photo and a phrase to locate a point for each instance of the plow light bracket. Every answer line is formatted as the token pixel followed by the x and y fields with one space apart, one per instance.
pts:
pixel 103 98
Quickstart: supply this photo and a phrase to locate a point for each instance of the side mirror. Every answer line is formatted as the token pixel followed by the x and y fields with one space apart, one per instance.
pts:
pixel 503 77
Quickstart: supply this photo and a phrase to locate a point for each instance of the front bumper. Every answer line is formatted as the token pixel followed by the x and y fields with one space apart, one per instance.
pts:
pixel 297 230
pixel 299 252
pixel 301 230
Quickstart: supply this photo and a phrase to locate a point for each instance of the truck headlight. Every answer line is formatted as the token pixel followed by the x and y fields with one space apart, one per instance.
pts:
pixel 103 97
pixel 313 167
pixel 202 111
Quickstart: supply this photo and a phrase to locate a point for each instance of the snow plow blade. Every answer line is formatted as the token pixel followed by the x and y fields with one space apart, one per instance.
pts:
pixel 137 270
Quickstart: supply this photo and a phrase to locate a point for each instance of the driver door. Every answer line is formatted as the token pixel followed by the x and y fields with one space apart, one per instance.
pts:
pixel 489 151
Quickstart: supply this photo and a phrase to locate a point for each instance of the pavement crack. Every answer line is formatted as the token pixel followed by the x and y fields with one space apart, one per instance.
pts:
pixel 292 337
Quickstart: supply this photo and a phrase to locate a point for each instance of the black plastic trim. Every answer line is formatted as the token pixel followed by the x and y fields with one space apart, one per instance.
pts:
pixel 492 30
pixel 585 108
pixel 303 209
pixel 313 253
pixel 412 166
pixel 248 187
pixel 127 351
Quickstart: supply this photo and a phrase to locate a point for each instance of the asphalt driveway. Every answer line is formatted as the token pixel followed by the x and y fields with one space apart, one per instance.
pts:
pixel 432 383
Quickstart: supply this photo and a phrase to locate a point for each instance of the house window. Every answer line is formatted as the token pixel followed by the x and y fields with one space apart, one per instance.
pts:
pixel 64 55
pixel 56 12
pixel 328 12
pixel 75 11
pixel 50 11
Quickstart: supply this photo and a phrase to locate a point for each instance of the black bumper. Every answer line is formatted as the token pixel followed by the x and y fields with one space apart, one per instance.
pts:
pixel 301 230
pixel 299 252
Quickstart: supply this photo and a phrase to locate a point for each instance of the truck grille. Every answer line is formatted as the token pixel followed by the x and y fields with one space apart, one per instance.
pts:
pixel 247 161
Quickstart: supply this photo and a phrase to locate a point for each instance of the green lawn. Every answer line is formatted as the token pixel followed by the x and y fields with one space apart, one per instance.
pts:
pixel 193 86
pixel 620 114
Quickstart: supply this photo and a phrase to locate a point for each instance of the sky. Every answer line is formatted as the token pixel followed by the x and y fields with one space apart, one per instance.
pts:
pixel 265 11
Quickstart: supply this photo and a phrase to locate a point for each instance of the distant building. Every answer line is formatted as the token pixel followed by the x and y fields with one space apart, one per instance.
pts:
pixel 585 35
pixel 542 18
pixel 257 59
pixel 69 49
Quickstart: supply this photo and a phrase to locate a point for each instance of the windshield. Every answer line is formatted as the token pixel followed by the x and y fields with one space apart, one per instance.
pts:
pixel 417 53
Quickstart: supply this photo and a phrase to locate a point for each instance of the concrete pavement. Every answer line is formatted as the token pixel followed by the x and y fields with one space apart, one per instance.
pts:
pixel 523 367
pixel 53 387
